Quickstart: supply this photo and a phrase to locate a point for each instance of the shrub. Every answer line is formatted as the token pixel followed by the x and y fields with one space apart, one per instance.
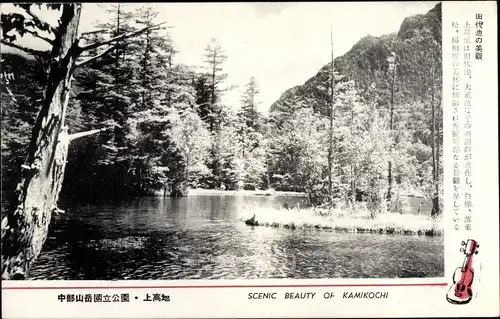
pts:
pixel 400 205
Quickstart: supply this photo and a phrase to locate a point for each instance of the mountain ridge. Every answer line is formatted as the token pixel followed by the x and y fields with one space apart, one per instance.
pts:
pixel 366 62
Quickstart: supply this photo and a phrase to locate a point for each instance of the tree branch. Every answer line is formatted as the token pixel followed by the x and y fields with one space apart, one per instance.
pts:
pixel 87 133
pixel 36 35
pixel 111 48
pixel 118 38
pixel 37 20
pixel 24 49
pixel 94 32
pixel 11 95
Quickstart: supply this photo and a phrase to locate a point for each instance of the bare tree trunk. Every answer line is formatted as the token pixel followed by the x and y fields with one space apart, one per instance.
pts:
pixel 268 171
pixel 170 81
pixel 389 173
pixel 24 231
pixel 117 51
pixel 435 156
pixel 212 93
pixel 186 172
pixel 352 178
pixel 330 135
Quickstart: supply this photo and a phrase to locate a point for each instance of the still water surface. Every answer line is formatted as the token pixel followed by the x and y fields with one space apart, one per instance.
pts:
pixel 201 237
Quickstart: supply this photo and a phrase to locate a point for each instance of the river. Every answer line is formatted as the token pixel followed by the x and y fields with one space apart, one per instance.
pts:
pixel 201 237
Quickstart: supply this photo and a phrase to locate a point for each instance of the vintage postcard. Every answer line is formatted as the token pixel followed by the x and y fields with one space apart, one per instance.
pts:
pixel 265 159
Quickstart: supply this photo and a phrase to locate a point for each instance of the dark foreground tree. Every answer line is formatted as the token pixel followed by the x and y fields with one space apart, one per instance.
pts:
pixel 25 229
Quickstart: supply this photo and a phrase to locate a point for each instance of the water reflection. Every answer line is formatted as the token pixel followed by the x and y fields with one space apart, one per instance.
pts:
pixel 201 238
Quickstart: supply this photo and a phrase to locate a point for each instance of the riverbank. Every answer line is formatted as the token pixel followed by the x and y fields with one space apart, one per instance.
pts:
pixel 336 220
pixel 203 191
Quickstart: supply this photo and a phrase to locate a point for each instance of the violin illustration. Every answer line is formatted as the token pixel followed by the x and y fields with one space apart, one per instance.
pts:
pixel 461 291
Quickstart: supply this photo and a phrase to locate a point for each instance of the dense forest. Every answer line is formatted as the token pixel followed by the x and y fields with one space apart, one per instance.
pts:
pixel 367 127
pixel 386 139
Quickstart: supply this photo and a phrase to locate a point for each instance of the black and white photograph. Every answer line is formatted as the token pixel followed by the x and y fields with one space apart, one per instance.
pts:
pixel 181 141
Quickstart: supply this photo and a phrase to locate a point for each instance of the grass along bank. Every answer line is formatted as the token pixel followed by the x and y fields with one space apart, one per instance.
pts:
pixel 258 192
pixel 338 220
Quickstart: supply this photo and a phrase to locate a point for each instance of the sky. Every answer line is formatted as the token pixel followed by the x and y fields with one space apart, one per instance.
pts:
pixel 281 44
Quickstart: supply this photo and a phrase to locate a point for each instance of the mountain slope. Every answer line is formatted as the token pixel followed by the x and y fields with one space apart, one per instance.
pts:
pixel 417 45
